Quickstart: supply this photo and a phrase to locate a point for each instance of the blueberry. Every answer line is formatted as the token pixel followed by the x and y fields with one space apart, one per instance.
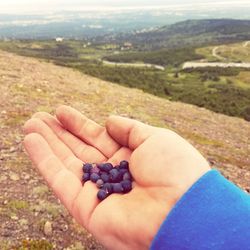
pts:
pixel 100 165
pixel 127 176
pixel 101 195
pixel 123 171
pixel 107 167
pixel 85 177
pixel 117 187
pixel 123 165
pixel 95 170
pixel 94 177
pixel 108 188
pixel 105 177
pixel 102 172
pixel 126 185
pixel 87 167
pixel 99 183
pixel 120 177
pixel 114 175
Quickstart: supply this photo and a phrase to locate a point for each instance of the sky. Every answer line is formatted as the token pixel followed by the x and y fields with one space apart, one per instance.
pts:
pixel 36 6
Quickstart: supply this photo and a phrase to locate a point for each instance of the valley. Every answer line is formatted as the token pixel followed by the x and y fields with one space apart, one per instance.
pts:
pixel 167 73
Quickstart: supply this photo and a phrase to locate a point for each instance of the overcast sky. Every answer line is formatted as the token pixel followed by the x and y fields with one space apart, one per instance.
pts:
pixel 36 6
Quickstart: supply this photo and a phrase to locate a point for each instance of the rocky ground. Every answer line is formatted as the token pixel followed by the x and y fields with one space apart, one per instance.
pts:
pixel 30 216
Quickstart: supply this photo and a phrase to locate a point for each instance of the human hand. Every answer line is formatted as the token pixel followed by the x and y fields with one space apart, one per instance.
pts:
pixel 162 163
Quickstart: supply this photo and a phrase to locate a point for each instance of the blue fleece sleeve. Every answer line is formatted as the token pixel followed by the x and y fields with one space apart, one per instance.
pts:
pixel 213 214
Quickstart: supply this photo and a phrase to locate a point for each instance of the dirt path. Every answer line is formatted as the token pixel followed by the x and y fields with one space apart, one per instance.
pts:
pixel 215 54
pixel 28 209
pixel 245 44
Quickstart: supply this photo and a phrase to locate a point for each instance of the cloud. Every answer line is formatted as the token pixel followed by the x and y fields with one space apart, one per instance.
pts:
pixel 39 6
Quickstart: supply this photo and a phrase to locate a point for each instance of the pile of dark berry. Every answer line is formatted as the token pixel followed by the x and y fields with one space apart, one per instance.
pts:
pixel 108 179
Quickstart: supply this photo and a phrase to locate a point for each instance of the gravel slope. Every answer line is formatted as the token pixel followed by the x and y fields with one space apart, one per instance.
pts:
pixel 28 210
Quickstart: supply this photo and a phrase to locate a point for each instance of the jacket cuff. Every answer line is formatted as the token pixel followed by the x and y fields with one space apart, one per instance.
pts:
pixel 212 214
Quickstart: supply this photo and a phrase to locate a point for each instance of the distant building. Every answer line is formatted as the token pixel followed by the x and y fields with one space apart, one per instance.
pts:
pixel 128 45
pixel 59 39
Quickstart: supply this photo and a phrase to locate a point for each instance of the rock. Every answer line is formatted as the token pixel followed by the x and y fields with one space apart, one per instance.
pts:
pixel 6 233
pixel 47 228
pixel 3 178
pixel 14 176
pixel 14 217
pixel 211 161
pixel 12 150
pixel 26 177
pixel 23 222
pixel 65 228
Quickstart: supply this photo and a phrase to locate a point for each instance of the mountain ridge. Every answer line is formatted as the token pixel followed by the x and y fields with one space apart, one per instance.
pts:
pixel 191 32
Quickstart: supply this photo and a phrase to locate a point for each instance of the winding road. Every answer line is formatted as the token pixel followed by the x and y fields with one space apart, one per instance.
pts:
pixel 197 64
pixel 245 44
pixel 190 64
pixel 214 53
pixel 141 65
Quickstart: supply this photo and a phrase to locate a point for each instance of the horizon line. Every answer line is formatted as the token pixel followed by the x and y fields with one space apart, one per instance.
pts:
pixel 99 8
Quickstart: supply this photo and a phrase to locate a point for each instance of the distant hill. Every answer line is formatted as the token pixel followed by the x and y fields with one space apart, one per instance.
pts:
pixel 189 33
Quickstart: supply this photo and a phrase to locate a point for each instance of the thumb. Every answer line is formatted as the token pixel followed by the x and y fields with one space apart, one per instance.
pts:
pixel 128 132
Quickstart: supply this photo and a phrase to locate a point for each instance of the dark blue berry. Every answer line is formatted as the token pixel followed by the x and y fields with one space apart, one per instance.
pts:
pixel 101 195
pixel 123 171
pixel 127 176
pixel 87 167
pixel 117 188
pixel 85 177
pixel 95 170
pixel 126 185
pixel 94 177
pixel 120 177
pixel 100 165
pixel 102 172
pixel 123 165
pixel 105 177
pixel 107 167
pixel 99 183
pixel 108 188
pixel 114 175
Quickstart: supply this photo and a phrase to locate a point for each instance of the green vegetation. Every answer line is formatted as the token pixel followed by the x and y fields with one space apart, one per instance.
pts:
pixel 191 33
pixel 15 205
pixel 235 52
pixel 222 90
pixel 173 57
pixel 34 245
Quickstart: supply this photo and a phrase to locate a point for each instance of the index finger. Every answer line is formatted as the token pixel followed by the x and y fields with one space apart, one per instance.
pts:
pixel 87 130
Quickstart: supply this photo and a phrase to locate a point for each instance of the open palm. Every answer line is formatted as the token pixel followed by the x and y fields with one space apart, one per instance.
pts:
pixel 163 166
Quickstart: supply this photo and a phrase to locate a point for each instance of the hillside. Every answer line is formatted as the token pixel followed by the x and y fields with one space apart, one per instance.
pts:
pixel 190 33
pixel 29 85
pixel 235 52
pixel 221 90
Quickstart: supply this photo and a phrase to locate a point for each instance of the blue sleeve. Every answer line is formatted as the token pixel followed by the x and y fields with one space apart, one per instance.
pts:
pixel 213 214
